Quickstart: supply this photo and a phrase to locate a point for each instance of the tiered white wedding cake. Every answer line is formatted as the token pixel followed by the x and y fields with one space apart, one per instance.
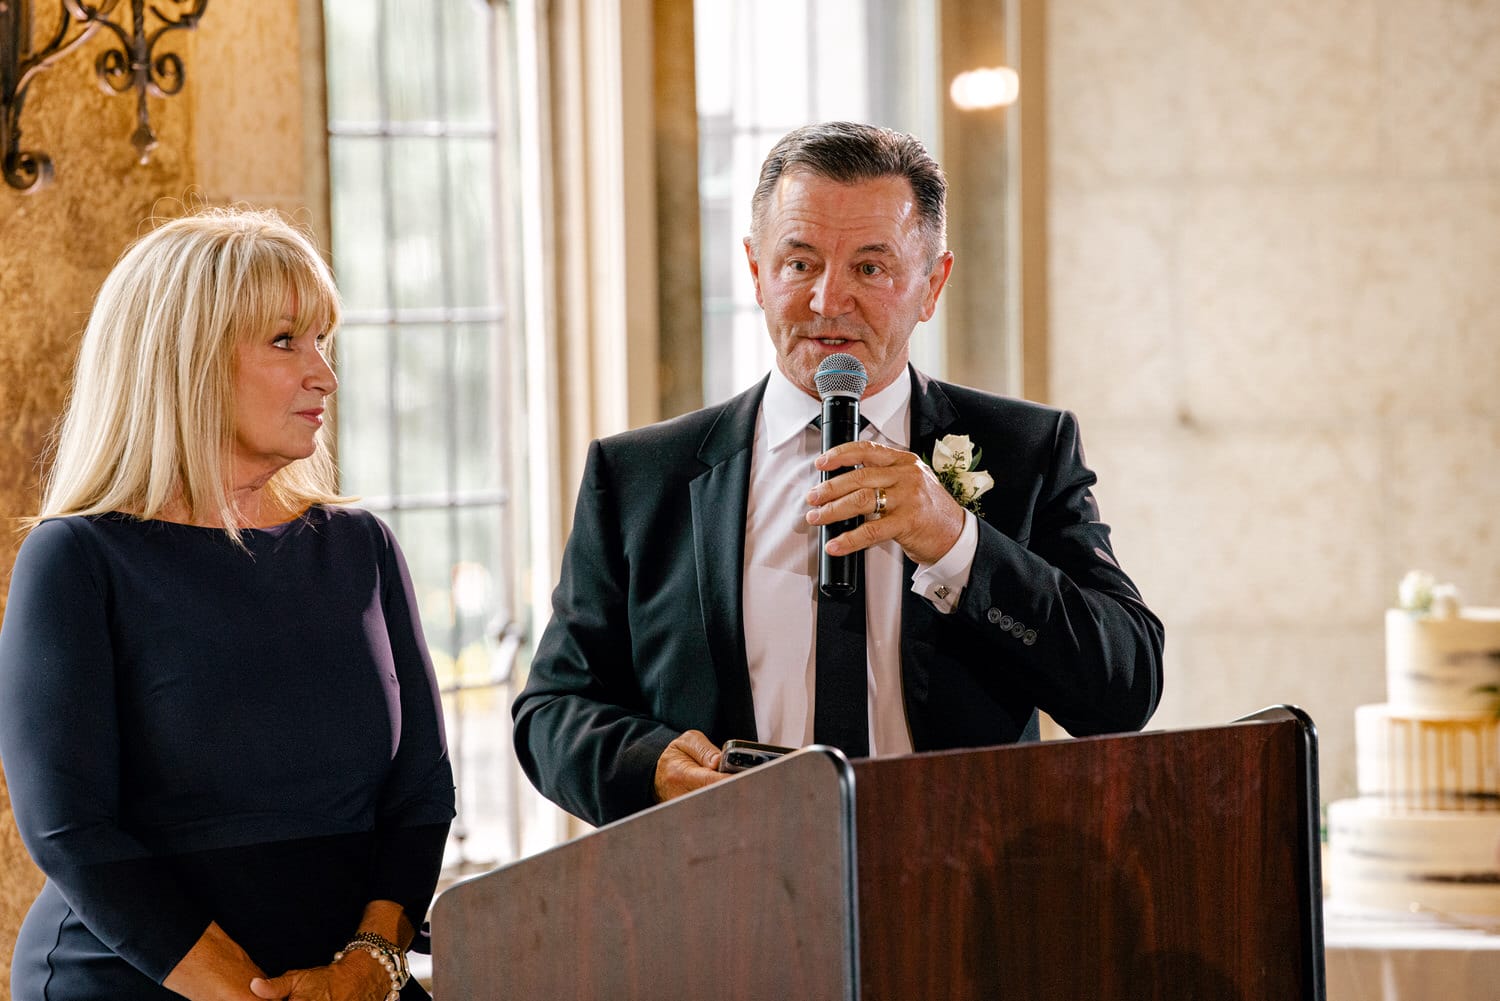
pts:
pixel 1424 833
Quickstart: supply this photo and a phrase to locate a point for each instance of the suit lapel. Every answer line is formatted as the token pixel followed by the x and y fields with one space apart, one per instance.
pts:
pixel 720 502
pixel 931 415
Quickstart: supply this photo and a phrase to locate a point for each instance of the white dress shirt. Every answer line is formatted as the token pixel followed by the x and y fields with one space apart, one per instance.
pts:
pixel 780 587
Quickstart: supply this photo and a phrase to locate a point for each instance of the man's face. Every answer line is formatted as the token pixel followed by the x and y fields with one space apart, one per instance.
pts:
pixel 843 269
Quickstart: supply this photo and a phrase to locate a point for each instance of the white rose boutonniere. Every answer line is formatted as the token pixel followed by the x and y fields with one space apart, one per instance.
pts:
pixel 955 460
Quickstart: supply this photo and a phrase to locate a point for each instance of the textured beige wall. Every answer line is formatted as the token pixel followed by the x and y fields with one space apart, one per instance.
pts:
pixel 218 142
pixel 1275 308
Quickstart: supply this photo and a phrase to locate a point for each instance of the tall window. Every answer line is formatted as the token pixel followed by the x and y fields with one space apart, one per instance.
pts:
pixel 765 67
pixel 414 151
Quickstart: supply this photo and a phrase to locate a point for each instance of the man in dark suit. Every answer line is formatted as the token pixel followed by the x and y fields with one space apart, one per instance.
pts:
pixel 688 609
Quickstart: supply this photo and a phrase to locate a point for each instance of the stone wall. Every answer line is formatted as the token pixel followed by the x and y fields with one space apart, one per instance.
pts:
pixel 1275 309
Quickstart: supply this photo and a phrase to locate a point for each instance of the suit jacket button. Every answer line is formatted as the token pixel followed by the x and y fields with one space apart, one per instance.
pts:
pixel 1018 630
pixel 1030 637
pixel 993 615
pixel 1006 622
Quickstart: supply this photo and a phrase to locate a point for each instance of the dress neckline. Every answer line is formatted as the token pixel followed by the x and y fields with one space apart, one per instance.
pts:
pixel 269 531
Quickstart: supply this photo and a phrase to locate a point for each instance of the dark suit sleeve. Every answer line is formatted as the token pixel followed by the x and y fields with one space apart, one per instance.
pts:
pixel 582 733
pixel 1056 608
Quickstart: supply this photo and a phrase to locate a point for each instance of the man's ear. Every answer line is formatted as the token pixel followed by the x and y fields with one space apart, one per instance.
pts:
pixel 935 283
pixel 754 271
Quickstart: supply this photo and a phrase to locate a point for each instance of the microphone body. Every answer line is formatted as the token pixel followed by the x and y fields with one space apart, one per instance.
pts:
pixel 841 382
pixel 838 576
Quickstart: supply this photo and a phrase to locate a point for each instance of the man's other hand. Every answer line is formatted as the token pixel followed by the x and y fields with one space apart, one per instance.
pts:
pixel 689 762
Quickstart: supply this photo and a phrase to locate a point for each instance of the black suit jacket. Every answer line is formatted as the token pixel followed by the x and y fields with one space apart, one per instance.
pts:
pixel 647 633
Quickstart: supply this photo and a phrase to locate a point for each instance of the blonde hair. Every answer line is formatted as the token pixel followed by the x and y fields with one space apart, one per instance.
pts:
pixel 149 421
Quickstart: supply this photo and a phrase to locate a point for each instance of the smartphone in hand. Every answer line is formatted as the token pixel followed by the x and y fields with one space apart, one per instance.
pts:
pixel 742 754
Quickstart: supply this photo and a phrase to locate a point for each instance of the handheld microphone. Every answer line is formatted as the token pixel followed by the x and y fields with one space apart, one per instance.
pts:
pixel 841 381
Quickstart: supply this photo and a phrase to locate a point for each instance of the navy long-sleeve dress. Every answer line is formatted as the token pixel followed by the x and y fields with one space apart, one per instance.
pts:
pixel 193 733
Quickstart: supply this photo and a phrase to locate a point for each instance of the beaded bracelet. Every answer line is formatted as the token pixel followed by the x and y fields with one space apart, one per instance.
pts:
pixel 392 959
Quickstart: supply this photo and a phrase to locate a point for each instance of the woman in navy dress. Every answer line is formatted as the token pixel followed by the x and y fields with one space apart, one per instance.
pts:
pixel 218 718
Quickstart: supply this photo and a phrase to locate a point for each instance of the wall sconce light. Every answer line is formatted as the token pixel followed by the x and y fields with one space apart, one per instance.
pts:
pixel 979 89
pixel 134 66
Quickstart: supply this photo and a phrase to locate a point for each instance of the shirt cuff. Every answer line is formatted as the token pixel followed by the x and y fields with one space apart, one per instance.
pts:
pixel 942 583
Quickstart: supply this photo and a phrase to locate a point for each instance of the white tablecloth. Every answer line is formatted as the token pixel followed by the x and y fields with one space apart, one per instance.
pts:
pixel 1381 956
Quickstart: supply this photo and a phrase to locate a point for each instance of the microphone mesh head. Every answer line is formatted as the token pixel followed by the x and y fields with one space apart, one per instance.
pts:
pixel 841 375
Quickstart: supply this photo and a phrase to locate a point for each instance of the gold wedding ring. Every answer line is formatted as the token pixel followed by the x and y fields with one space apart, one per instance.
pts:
pixel 879 501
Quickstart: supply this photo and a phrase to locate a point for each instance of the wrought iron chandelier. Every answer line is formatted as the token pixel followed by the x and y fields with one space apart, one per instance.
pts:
pixel 133 66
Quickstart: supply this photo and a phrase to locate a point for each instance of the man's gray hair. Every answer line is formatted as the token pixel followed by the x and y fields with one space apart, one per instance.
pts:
pixel 849 152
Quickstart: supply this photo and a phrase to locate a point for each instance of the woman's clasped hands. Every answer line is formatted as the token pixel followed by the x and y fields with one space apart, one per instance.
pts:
pixel 358 976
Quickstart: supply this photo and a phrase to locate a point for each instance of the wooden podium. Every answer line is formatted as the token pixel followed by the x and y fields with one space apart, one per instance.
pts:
pixel 1163 866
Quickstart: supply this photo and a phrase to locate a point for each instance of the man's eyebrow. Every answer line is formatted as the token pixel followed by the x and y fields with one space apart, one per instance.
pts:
pixel 792 243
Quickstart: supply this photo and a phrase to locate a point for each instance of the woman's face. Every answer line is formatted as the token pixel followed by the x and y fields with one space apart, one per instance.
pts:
pixel 281 382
